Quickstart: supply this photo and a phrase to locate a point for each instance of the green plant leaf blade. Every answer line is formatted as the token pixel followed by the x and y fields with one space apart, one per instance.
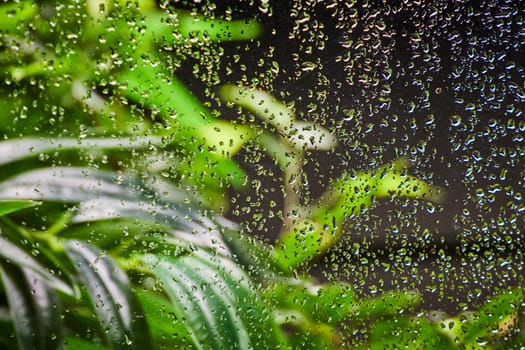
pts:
pixel 210 323
pixel 313 236
pixel 329 303
pixel 102 197
pixel 483 324
pixel 34 308
pixel 18 256
pixel 73 343
pixel 6 329
pixel 15 14
pixel 17 149
pixel 216 301
pixel 391 303
pixel 408 333
pixel 112 297
pixel 9 206
pixel 217 29
pixel 193 124
pixel 168 331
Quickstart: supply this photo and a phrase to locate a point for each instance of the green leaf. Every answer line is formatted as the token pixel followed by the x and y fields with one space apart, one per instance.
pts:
pixel 330 303
pixel 314 235
pixel 9 206
pixel 215 299
pixel 313 336
pixel 104 196
pixel 18 256
pixel 73 343
pixel 169 331
pixel 402 332
pixel 391 303
pixel 34 308
pixel 217 29
pixel 112 297
pixel 193 119
pixel 65 184
pixel 209 140
pixel 261 103
pixel 116 233
pixel 18 149
pixel 16 14
pixel 6 329
pixel 299 134
pixel 480 326
pixel 252 254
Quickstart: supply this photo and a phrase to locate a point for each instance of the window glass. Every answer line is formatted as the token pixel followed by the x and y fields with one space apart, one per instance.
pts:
pixel 261 174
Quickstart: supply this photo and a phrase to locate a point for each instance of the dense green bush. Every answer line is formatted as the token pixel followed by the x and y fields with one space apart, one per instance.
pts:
pixel 114 179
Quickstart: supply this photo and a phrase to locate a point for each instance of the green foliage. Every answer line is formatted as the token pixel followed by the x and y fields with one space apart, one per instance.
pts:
pixel 111 296
pixel 112 176
pixel 217 302
pixel 9 206
pixel 33 308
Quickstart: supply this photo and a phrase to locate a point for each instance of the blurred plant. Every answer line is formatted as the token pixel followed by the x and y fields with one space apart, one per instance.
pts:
pixel 109 168
pixel 95 68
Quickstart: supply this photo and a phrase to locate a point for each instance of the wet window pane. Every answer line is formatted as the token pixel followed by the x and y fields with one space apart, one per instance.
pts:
pixel 262 174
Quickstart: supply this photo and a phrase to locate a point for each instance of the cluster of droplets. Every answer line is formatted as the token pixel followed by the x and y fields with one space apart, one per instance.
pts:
pixel 441 83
